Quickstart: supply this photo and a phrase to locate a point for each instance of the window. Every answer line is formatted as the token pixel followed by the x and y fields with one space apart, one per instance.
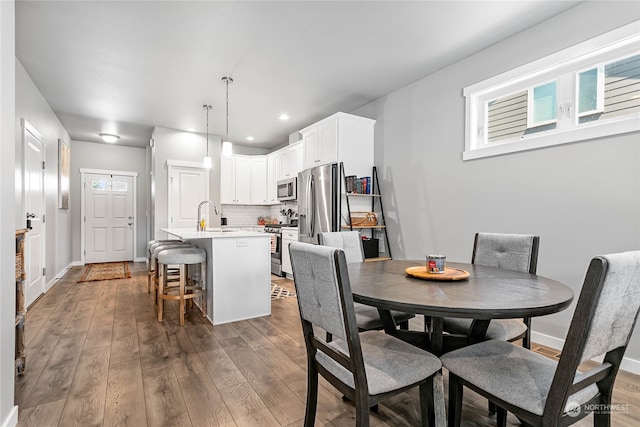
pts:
pixel 107 185
pixel 587 91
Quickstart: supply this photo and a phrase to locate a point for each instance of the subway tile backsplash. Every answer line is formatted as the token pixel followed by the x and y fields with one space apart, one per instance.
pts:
pixel 239 215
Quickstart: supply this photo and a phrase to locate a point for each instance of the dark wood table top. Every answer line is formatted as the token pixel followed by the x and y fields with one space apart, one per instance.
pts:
pixel 488 293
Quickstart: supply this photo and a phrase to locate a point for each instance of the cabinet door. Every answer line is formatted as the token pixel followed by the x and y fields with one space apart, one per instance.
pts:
pixel 243 180
pixel 328 142
pixel 297 158
pixel 273 175
pixel 286 261
pixel 258 180
pixel 311 148
pixel 227 180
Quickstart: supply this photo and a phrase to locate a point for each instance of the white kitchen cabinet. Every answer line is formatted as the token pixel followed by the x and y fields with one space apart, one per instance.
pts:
pixel 258 180
pixel 289 235
pixel 340 138
pixel 291 160
pixel 273 175
pixel 235 180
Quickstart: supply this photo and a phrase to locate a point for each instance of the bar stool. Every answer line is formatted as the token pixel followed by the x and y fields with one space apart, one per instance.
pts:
pixel 187 289
pixel 172 273
pixel 150 266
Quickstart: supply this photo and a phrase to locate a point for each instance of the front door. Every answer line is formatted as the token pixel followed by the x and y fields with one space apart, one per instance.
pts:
pixel 34 247
pixel 108 218
pixel 187 188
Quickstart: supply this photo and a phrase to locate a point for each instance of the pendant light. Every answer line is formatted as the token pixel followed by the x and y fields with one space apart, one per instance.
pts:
pixel 227 146
pixel 207 163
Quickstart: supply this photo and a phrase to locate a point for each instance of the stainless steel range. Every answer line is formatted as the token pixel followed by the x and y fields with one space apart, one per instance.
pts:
pixel 276 247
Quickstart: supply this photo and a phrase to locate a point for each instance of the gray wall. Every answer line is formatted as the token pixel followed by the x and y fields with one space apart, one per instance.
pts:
pixel 171 144
pixel 583 199
pixel 89 155
pixel 8 413
pixel 31 105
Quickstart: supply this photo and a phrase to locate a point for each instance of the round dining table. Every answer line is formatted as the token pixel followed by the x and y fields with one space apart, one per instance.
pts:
pixel 487 293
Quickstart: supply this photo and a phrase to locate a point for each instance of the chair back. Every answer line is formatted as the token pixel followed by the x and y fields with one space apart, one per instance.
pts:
pixel 511 251
pixel 602 324
pixel 323 290
pixel 349 241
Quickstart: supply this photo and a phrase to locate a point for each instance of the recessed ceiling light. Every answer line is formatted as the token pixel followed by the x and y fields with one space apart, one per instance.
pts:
pixel 109 137
pixel 250 138
pixel 284 117
pixel 191 130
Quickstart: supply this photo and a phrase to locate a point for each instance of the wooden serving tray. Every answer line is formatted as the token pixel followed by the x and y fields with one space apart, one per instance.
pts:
pixel 450 274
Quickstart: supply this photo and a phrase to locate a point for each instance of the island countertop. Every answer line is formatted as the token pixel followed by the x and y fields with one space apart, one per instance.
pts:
pixel 211 233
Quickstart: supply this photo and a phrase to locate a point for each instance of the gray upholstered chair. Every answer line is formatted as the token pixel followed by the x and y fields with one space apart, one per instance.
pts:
pixel 366 367
pixel 540 391
pixel 510 251
pixel 367 317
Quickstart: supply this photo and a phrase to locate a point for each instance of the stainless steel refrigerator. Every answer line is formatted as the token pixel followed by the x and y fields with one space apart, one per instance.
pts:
pixel 318 202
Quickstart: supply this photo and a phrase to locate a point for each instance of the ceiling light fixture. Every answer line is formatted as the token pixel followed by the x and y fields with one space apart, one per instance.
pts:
pixel 207 163
pixel 227 146
pixel 284 117
pixel 250 138
pixel 109 137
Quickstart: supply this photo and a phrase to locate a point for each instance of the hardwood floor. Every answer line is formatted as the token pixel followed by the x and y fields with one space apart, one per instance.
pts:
pixel 96 356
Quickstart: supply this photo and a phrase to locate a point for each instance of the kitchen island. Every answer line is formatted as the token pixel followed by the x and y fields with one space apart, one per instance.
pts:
pixel 238 272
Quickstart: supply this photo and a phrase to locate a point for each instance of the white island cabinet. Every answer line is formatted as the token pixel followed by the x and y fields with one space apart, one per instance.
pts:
pixel 238 272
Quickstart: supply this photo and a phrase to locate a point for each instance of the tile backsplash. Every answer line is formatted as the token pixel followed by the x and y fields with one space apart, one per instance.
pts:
pixel 238 215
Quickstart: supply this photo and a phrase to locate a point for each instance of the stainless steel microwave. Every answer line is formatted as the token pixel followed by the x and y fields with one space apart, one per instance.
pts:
pixel 287 189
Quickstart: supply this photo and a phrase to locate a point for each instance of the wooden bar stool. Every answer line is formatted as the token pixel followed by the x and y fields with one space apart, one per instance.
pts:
pixel 150 266
pixel 188 288
pixel 172 273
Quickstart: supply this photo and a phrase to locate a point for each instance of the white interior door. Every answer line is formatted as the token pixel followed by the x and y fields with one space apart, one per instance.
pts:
pixel 34 248
pixel 108 218
pixel 188 187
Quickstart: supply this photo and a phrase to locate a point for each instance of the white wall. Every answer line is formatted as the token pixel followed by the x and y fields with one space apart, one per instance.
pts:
pixel 89 155
pixel 31 106
pixel 8 413
pixel 171 144
pixel 583 199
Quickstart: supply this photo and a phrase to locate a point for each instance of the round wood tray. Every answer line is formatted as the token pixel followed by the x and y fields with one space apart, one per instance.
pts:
pixel 450 274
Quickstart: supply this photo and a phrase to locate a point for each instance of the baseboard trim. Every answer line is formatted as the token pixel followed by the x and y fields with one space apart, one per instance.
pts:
pixel 628 364
pixel 12 418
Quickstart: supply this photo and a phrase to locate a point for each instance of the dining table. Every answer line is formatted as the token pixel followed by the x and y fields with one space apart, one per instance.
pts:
pixel 487 293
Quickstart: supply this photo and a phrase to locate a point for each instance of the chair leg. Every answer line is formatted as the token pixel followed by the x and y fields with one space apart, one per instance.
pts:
pixel 162 274
pixel 501 417
pixel 203 283
pixel 328 337
pixel 183 277
pixel 362 409
pixel 427 408
pixel 312 395
pixel 491 407
pixel 455 401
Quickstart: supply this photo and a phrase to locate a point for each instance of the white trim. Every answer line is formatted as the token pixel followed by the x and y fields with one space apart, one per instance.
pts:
pixel 183 164
pixel 12 418
pixel 83 173
pixel 628 364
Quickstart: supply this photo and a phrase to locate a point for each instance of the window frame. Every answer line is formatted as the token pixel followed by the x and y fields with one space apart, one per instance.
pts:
pixel 563 67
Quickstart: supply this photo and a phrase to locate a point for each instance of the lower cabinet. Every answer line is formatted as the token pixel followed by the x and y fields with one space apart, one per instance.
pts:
pixel 289 235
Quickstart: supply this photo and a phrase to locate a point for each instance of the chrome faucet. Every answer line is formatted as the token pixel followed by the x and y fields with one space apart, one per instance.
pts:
pixel 215 210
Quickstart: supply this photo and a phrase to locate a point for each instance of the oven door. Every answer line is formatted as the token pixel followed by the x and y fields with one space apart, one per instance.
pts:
pixel 276 255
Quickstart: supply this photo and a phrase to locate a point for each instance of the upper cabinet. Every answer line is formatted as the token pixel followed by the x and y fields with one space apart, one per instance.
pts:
pixel 273 175
pixel 291 160
pixel 258 178
pixel 340 137
pixel 243 180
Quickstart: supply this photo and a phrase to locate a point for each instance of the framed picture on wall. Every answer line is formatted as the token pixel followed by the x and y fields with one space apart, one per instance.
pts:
pixel 64 173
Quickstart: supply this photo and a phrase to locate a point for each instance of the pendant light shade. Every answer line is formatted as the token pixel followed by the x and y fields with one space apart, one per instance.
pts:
pixel 227 146
pixel 207 163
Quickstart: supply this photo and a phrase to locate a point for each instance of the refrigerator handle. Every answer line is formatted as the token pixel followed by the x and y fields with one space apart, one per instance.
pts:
pixel 312 207
pixel 307 202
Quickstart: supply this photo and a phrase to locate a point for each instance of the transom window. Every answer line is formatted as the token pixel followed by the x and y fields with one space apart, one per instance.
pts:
pixel 587 91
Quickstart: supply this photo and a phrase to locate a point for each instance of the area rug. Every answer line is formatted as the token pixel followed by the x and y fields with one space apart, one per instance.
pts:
pixel 278 292
pixel 105 271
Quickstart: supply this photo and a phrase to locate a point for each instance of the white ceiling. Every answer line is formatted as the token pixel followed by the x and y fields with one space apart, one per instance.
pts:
pixel 125 67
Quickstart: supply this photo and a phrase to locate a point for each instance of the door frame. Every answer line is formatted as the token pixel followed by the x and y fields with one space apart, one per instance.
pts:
pixel 83 199
pixel 171 165
pixel 28 127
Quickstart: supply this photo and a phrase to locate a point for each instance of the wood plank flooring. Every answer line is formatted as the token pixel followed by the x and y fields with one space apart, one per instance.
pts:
pixel 96 356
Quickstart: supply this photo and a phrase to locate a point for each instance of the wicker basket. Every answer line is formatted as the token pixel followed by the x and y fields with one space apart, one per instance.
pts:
pixel 364 219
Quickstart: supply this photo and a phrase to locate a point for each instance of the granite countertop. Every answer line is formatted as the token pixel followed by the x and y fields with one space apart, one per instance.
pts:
pixel 211 233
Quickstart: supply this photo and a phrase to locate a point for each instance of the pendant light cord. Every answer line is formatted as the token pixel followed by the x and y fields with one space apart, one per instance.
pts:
pixel 207 108
pixel 227 80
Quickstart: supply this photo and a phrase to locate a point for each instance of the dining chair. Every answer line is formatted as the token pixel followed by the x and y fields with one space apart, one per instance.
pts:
pixel 366 367
pixel 543 392
pixel 513 252
pixel 367 317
